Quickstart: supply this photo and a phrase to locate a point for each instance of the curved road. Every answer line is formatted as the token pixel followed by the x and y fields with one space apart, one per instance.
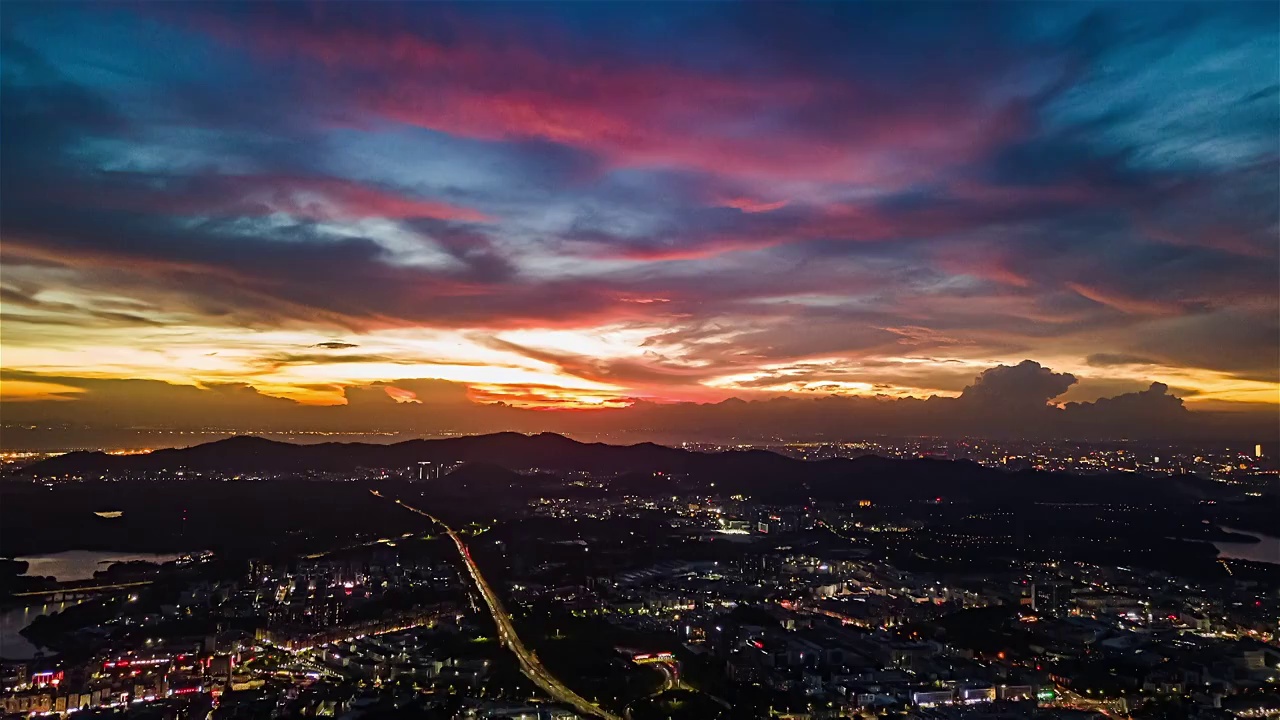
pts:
pixel 529 662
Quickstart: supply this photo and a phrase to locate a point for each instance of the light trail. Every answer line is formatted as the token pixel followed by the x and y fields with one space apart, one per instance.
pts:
pixel 530 665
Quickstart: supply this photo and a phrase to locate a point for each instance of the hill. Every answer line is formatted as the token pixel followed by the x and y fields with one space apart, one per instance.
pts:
pixel 756 472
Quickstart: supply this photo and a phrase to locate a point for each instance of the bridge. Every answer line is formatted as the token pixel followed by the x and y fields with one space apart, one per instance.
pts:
pixel 75 593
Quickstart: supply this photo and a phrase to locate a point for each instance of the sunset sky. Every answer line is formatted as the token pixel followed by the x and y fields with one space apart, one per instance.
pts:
pixel 573 205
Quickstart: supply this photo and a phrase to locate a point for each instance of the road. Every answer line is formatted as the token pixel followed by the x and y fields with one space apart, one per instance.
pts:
pixel 670 678
pixel 71 589
pixel 529 662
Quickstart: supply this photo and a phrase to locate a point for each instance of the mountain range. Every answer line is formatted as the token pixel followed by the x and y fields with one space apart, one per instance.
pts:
pixel 507 459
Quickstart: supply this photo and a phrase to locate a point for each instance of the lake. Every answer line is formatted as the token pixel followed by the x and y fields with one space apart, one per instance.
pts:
pixel 82 564
pixel 1266 550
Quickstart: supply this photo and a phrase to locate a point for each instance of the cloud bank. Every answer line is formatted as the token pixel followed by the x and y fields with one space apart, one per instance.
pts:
pixel 1001 402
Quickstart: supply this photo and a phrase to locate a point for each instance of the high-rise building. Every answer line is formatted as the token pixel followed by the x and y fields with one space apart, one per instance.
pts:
pixel 1051 596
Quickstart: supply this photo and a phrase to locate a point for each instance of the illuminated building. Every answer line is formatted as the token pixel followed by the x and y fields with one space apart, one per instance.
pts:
pixel 931 698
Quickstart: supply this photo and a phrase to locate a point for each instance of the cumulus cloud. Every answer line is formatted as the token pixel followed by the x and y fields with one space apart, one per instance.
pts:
pixel 1027 385
pixel 1151 412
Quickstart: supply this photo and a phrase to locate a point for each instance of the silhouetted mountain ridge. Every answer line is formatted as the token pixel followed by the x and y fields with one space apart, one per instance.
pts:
pixel 758 472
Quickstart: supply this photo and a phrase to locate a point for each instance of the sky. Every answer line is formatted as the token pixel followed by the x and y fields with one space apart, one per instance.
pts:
pixel 434 216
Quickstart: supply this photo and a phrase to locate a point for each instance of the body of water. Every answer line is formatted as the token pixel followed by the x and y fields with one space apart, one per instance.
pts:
pixel 82 564
pixel 1266 550
pixel 64 567
pixel 13 646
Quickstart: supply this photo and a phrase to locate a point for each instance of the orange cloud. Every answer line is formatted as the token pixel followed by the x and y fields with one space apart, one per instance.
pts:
pixel 749 205
pixel 36 390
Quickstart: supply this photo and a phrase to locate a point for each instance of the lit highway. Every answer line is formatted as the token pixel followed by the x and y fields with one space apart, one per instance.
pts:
pixel 529 662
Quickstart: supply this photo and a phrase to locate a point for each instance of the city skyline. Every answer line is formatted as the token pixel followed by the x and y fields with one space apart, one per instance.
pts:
pixel 1052 220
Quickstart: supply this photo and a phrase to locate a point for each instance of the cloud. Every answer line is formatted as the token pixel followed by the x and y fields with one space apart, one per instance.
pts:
pixel 1152 412
pixel 749 205
pixel 467 76
pixel 1002 402
pixel 313 198
pixel 1123 304
pixel 1026 385
pixel 1111 359
pixel 847 199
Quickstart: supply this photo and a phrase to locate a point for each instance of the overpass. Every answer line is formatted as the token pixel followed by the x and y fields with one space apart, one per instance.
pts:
pixel 530 665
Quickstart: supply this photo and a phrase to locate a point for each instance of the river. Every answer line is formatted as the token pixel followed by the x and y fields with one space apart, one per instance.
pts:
pixel 64 567
pixel 1266 550
pixel 13 646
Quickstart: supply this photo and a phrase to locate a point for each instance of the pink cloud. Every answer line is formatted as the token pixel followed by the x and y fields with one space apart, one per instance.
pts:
pixel 482 85
pixel 1125 304
pixel 338 199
